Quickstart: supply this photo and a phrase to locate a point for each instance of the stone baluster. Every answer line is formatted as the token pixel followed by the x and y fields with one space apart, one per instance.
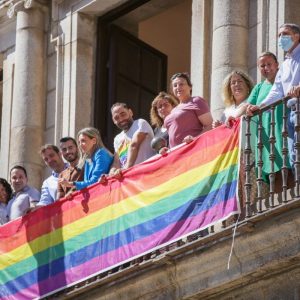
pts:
pixel 247 160
pixel 285 152
pixel 297 147
pixel 272 141
pixel 260 163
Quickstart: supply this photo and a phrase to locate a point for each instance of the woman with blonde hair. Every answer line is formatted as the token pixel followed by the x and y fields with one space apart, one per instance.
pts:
pixel 161 107
pixel 94 157
pixel 236 88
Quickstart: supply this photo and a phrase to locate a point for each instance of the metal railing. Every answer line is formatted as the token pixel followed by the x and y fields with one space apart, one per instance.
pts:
pixel 272 157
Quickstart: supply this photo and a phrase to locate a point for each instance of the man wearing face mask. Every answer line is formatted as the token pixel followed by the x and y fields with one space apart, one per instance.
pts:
pixel 287 81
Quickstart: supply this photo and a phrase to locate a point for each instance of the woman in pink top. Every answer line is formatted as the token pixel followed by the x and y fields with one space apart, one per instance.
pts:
pixel 191 117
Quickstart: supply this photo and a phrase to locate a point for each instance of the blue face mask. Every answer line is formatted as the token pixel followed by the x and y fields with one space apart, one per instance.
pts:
pixel 285 42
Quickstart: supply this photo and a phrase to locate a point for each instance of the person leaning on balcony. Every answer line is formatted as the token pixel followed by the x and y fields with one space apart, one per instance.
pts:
pixel 236 89
pixel 24 197
pixel 132 144
pixel 53 159
pixel 191 117
pixel 5 196
pixel 94 158
pixel 287 81
pixel 161 107
pixel 70 152
pixel 268 66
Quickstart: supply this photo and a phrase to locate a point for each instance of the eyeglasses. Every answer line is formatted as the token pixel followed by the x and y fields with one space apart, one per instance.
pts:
pixel 162 105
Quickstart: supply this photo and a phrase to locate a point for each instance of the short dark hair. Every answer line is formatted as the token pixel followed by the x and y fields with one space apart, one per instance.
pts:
pixel 7 188
pixel 294 27
pixel 68 138
pixel 124 105
pixel 183 75
pixel 18 167
pixel 267 53
pixel 48 146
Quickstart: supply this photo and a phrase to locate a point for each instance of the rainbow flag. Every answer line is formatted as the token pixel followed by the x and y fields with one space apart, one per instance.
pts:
pixel 156 203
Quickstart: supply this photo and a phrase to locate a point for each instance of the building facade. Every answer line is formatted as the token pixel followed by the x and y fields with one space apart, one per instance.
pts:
pixel 64 62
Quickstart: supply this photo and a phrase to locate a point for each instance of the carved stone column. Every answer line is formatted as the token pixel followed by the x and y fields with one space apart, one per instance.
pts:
pixel 28 108
pixel 230 45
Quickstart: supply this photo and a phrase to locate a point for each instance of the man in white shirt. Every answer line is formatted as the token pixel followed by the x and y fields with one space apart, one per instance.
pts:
pixel 287 81
pixel 133 144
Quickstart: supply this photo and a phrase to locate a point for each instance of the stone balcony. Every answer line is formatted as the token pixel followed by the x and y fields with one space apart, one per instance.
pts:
pixel 264 265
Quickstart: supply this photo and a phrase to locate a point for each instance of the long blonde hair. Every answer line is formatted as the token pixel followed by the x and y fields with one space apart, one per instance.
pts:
pixel 90 132
pixel 226 89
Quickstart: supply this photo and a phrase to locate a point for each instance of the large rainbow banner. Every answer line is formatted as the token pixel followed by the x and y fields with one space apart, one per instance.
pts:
pixel 105 225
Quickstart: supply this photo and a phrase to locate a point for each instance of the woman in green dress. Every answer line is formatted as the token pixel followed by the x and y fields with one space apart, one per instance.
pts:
pixel 268 67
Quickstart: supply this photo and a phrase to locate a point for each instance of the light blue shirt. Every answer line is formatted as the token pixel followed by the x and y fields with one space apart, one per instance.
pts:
pixel 3 213
pixel 287 76
pixel 21 202
pixel 49 189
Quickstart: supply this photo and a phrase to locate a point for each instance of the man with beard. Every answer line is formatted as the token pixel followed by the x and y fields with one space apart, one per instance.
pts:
pixel 133 144
pixel 53 159
pixel 69 150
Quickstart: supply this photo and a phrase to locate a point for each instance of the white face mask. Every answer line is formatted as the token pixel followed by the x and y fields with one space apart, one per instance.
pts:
pixel 285 42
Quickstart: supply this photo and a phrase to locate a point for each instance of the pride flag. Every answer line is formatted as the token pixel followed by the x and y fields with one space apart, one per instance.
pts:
pixel 105 225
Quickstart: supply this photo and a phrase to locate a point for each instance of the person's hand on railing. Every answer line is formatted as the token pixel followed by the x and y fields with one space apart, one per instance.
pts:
pixel 216 123
pixel 250 109
pixel 163 151
pixel 188 139
pixel 116 173
pixel 229 121
pixel 294 91
pixel 103 179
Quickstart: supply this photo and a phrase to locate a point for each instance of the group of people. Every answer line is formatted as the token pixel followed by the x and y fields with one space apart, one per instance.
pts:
pixel 74 167
pixel 177 118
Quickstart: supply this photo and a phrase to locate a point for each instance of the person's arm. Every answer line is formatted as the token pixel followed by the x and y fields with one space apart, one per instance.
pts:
pixel 276 91
pixel 102 161
pixel 115 169
pixel 206 120
pixel 241 110
pixel 116 165
pixel 133 150
pixel 33 199
pixel 60 189
pixel 216 123
pixel 46 198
